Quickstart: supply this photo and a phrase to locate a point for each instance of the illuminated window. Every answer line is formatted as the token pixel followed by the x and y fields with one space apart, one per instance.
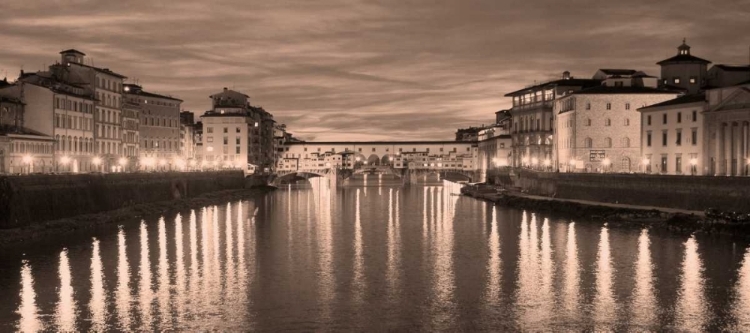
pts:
pixel 693 80
pixel 677 80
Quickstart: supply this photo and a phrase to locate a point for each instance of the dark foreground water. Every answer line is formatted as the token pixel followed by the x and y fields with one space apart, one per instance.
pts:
pixel 376 258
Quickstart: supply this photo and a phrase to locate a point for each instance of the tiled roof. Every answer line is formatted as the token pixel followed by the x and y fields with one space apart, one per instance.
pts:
pixel 560 82
pixel 623 90
pixel 148 94
pixel 101 70
pixel 72 51
pixel 618 71
pixel 733 68
pixel 683 58
pixel 686 99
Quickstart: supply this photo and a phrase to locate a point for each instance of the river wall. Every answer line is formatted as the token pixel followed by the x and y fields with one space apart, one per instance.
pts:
pixel 26 200
pixel 684 192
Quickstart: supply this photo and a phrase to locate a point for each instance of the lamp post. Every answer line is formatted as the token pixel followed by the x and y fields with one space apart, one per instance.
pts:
pixel 65 160
pixel 693 163
pixel 572 164
pixel 547 164
pixel 123 163
pixel 27 159
pixel 606 163
pixel 646 163
pixel 97 161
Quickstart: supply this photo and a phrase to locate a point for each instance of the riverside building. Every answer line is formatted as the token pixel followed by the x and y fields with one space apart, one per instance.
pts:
pixel 159 128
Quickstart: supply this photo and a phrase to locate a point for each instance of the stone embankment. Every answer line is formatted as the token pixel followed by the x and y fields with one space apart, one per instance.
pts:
pixel 621 215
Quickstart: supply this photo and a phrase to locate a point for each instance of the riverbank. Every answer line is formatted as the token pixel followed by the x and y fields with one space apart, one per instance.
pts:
pixel 93 223
pixel 619 215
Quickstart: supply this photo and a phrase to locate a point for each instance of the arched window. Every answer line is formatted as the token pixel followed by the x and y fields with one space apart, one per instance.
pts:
pixel 588 122
pixel 608 122
pixel 75 144
pixel 627 121
pixel 57 142
pixel 608 142
pixel 588 143
pixel 70 143
pixel 626 142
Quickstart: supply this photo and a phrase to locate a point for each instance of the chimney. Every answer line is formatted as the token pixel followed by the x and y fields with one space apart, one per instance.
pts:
pixel 225 88
pixel 566 75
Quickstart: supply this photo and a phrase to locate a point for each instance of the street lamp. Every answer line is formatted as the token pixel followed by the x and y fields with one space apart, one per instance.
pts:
pixel 162 163
pixel 27 159
pixel 606 162
pixel 123 162
pixel 97 161
pixel 65 160
pixel 693 163
pixel 646 162
pixel 547 163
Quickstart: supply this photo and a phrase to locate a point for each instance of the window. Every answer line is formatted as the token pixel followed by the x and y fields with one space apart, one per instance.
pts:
pixel 208 129
pixel 237 149
pixel 664 138
pixel 627 122
pixel 679 117
pixel 664 163
pixel 608 122
pixel 609 106
pixel 588 122
pixel 373 150
pixel 209 139
pixel 694 137
pixel 226 129
pixel 626 142
pixel 679 138
pixel 588 142
pixel 237 141
pixel 693 80
pixel 588 106
pixel 648 120
pixel 627 106
pixel 608 142
pixel 676 80
pixel 678 164
pixel 237 130
pixel 664 118
pixel 695 115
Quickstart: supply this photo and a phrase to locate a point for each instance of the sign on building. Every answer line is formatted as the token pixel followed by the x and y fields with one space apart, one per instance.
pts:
pixel 597 155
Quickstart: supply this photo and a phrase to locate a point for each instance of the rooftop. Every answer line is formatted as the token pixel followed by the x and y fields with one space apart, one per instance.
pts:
pixel 686 99
pixel 609 71
pixel 101 70
pixel 72 51
pixel 559 82
pixel 133 89
pixel 734 68
pixel 623 90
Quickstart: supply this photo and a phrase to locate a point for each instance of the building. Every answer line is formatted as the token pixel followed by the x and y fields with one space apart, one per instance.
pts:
pixel 59 110
pixel 236 134
pixel 533 120
pixel 106 87
pixel 159 128
pixel 22 151
pixel 684 71
pixel 494 148
pixel 131 119
pixel 727 130
pixel 187 137
pixel 598 128
pixel 672 136
pixel 469 134
pixel 727 75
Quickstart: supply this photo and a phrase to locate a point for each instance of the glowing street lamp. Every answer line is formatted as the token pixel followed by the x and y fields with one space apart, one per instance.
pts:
pixel 97 161
pixel 123 162
pixel 606 162
pixel 646 162
pixel 547 162
pixel 694 161
pixel 534 161
pixel 65 160
pixel 27 159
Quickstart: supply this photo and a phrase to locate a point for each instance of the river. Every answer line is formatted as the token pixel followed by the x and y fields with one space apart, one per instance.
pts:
pixel 376 258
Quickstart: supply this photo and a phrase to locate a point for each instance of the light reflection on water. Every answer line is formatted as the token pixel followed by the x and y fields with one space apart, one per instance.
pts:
pixel 416 259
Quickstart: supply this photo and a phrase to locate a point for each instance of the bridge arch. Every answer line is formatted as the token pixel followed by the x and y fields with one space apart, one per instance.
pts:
pixel 373 160
pixel 295 176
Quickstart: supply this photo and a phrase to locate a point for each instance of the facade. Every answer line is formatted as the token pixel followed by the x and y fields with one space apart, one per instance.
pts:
pixel 672 136
pixel 494 151
pixel 131 119
pixel 237 135
pixel 533 121
pixel 22 151
pixel 598 128
pixel 187 136
pixel 727 131
pixel 159 128
pixel 684 70
pixel 62 111
pixel 106 87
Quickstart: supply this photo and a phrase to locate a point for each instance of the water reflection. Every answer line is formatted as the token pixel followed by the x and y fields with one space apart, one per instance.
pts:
pixel 29 321
pixel 98 303
pixel 691 304
pixel 66 306
pixel 123 294
pixel 643 303
pixel 572 286
pixel 413 259
pixel 604 307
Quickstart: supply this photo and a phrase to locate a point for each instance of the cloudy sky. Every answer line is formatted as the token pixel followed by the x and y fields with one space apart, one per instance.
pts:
pixel 366 70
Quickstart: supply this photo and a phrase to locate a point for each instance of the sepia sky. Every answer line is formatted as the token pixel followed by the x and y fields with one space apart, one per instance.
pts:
pixel 366 70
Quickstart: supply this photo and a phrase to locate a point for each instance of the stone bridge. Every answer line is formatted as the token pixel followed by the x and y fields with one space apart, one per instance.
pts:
pixel 336 176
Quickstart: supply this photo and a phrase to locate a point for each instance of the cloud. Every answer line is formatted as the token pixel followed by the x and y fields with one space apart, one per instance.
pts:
pixel 358 70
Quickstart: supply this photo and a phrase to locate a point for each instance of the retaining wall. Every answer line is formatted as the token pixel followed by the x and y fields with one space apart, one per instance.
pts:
pixel 26 200
pixel 685 192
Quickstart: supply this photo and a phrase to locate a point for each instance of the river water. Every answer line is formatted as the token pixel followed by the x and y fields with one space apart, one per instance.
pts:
pixel 376 258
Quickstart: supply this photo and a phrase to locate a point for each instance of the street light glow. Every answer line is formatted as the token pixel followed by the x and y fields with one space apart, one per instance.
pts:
pixel 123 161
pixel 65 160
pixel 27 158
pixel 96 160
pixel 547 162
pixel 646 161
pixel 572 161
pixel 606 162
pixel 534 161
pixel 693 161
